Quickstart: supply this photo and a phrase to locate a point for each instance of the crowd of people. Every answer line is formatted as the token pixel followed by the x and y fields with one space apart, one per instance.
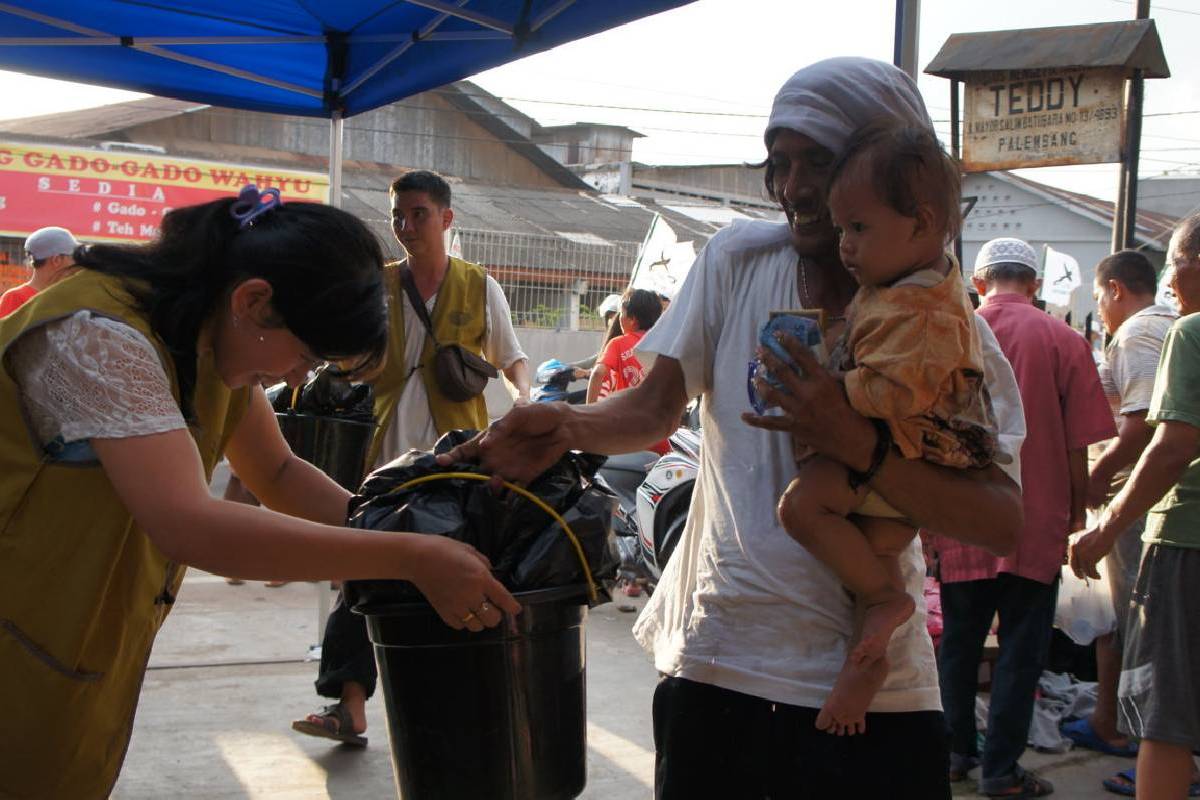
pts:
pixel 790 617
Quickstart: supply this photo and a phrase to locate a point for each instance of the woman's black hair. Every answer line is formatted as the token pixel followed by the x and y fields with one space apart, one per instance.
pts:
pixel 325 268
pixel 643 305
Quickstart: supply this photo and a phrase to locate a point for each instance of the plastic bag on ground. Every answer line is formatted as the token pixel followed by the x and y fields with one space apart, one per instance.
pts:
pixel 528 549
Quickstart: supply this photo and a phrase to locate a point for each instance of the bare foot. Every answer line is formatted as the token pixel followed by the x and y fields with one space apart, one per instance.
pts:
pixel 880 620
pixel 845 710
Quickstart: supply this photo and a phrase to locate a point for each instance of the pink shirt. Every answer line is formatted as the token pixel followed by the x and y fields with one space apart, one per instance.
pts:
pixel 1065 409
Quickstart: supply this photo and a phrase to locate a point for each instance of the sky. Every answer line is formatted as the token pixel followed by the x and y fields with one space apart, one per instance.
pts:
pixel 706 73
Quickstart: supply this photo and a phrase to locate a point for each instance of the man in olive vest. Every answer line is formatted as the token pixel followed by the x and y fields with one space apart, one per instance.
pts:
pixel 465 306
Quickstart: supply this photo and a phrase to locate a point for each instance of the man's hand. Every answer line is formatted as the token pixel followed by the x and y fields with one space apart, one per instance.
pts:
pixel 816 412
pixel 519 446
pixel 1099 485
pixel 1087 550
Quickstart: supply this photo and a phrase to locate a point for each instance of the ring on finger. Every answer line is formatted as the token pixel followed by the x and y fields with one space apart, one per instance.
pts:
pixel 470 616
pixel 484 607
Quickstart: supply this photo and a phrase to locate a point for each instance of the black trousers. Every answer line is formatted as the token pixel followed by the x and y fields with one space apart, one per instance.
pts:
pixel 1026 611
pixel 713 742
pixel 346 652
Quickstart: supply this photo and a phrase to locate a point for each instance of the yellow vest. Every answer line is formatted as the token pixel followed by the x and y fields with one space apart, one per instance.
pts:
pixel 83 590
pixel 459 315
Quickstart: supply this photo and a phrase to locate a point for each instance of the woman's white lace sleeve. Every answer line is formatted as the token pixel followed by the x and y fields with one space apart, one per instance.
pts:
pixel 91 377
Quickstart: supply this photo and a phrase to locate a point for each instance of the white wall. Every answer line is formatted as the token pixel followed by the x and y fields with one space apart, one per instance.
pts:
pixel 1007 210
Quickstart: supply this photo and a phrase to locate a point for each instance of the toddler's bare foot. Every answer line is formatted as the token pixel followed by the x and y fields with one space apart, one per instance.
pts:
pixel 845 710
pixel 880 620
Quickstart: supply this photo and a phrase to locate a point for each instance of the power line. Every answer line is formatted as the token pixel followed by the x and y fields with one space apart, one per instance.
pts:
pixel 1163 8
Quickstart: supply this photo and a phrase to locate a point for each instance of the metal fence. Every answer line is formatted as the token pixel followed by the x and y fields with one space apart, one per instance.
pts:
pixel 552 281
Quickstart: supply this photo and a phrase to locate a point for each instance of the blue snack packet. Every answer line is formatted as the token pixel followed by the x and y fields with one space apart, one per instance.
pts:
pixel 804 329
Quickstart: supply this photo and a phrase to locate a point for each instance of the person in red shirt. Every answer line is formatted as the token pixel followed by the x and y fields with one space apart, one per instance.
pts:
pixel 618 367
pixel 51 252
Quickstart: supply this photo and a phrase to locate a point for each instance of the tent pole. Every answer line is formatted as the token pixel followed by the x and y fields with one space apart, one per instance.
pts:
pixel 908 18
pixel 335 159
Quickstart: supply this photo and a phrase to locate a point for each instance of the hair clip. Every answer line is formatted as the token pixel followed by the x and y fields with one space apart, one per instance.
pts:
pixel 251 204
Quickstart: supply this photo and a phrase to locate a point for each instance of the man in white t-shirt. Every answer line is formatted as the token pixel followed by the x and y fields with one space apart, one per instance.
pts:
pixel 410 407
pixel 747 628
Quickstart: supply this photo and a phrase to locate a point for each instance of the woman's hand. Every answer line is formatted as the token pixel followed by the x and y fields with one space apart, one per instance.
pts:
pixel 457 581
pixel 815 409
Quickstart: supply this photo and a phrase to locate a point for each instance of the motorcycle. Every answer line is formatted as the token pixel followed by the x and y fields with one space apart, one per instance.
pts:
pixel 654 495
pixel 663 500
pixel 554 380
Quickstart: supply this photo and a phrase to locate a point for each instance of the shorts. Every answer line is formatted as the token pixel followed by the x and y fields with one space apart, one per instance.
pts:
pixel 1121 566
pixel 1158 697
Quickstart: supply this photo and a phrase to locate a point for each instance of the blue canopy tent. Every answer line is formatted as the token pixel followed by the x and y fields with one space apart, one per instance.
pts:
pixel 314 58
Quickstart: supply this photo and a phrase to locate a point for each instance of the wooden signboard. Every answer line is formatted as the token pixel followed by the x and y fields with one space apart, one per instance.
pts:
pixel 1043 118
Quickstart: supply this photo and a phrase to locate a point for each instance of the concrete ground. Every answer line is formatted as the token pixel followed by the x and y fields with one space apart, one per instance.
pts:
pixel 227 676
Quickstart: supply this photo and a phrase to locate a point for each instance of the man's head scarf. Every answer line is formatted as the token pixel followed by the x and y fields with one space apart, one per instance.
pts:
pixel 829 100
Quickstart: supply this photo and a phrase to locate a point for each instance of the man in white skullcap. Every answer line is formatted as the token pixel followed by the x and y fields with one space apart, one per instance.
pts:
pixel 1065 411
pixel 748 629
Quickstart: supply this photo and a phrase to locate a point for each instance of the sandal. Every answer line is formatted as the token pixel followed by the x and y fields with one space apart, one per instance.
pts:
pixel 960 765
pixel 1125 783
pixel 1028 785
pixel 333 722
pixel 1080 732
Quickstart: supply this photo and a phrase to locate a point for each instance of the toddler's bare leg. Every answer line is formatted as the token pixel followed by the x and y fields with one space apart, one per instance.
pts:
pixel 814 511
pixel 890 607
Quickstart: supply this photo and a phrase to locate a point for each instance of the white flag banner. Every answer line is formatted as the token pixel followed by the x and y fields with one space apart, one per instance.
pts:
pixel 663 261
pixel 453 244
pixel 1060 277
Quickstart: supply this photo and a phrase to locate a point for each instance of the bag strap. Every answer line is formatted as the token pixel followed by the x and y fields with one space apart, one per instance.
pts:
pixel 414 297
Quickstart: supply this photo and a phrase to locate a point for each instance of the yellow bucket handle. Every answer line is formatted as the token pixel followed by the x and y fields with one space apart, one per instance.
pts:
pixel 593 593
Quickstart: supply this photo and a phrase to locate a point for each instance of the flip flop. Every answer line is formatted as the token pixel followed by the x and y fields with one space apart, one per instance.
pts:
pixel 335 723
pixel 1081 733
pixel 1125 783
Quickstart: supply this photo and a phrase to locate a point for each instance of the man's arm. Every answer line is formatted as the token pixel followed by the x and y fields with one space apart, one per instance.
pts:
pixel 1078 470
pixel 1172 449
pixel 980 507
pixel 1133 434
pixel 518 375
pixel 527 440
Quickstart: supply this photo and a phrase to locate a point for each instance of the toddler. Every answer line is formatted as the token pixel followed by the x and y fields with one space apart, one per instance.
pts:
pixel 911 361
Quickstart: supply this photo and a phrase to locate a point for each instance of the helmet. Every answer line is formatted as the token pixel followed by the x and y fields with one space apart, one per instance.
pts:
pixel 610 305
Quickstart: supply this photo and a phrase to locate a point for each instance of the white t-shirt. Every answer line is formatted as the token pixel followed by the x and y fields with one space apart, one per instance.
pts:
pixel 413 424
pixel 741 605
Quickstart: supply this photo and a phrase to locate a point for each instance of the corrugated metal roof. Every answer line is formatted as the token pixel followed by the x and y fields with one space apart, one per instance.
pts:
pixel 94 123
pixel 1152 228
pixel 1133 44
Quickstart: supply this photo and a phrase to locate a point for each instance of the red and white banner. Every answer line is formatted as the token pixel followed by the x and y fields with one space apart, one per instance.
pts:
pixel 107 195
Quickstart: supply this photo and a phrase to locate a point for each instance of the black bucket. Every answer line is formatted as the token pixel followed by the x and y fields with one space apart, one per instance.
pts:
pixel 337 447
pixel 499 714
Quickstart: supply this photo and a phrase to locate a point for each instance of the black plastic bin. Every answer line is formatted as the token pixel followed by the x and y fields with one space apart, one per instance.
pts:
pixel 337 447
pixel 495 715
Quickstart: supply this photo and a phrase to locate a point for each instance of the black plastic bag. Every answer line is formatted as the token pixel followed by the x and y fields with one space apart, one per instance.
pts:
pixel 326 395
pixel 528 549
